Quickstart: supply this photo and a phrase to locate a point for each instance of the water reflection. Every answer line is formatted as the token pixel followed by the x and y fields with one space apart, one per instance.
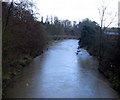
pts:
pixel 60 73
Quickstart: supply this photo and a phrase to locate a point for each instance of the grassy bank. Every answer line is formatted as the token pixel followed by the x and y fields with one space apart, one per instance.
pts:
pixel 107 65
pixel 12 69
pixel 111 73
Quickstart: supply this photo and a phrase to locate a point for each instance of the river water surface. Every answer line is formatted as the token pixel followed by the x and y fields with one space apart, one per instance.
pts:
pixel 60 73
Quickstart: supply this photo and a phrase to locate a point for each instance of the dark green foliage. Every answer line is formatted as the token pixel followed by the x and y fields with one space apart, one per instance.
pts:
pixel 106 50
pixel 89 35
pixel 60 27
pixel 109 64
pixel 23 38
pixel 55 29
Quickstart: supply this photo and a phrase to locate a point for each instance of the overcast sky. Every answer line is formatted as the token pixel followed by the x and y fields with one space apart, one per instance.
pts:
pixel 76 10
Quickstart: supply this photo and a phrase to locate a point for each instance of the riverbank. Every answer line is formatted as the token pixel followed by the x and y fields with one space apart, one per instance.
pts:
pixel 60 73
pixel 108 70
pixel 17 66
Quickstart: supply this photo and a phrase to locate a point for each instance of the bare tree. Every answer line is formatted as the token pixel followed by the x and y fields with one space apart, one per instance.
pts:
pixel 104 16
pixel 8 15
pixel 22 4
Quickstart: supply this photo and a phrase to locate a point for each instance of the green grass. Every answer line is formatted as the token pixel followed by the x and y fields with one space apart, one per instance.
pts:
pixel 15 67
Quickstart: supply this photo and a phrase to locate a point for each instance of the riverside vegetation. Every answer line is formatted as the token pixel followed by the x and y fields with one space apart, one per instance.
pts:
pixel 24 37
pixel 106 48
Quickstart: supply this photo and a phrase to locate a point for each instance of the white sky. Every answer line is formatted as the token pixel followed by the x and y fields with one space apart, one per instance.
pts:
pixel 76 10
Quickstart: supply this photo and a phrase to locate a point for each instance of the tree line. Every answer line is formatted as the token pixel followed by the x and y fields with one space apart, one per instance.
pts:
pixel 55 26
pixel 23 37
pixel 107 50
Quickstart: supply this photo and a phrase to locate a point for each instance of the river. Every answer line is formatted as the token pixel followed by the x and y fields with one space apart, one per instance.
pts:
pixel 60 73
